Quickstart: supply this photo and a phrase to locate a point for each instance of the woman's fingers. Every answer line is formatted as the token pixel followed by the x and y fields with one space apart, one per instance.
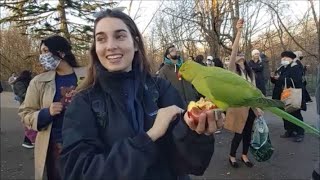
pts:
pixel 212 123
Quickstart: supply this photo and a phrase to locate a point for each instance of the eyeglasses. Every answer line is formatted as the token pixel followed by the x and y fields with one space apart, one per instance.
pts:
pixel 104 12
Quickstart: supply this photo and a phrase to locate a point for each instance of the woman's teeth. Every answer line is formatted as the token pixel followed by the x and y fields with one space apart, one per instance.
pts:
pixel 114 56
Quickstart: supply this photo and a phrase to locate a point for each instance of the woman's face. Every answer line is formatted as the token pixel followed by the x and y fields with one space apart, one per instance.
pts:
pixel 256 56
pixel 114 45
pixel 44 49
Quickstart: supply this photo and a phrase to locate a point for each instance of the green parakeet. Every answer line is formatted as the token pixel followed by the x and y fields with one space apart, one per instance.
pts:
pixel 227 89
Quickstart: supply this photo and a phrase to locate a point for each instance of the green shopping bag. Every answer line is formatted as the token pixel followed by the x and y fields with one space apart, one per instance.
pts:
pixel 261 147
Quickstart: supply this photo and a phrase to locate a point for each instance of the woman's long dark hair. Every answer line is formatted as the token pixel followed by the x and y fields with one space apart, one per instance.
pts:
pixel 58 44
pixel 247 70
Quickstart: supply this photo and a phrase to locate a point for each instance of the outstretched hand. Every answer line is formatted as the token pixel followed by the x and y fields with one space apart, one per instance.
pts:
pixel 240 24
pixel 208 122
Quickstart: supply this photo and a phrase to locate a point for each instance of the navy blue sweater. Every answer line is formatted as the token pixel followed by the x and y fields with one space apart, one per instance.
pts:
pixel 44 118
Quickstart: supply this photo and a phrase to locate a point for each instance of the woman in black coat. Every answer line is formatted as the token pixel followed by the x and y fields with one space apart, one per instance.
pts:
pixel 257 66
pixel 288 70
pixel 126 124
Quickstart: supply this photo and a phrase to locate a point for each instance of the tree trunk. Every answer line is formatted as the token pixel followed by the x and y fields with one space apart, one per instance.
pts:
pixel 316 20
pixel 63 25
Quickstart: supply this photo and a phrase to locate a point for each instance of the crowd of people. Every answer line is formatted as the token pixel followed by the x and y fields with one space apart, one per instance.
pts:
pixel 123 122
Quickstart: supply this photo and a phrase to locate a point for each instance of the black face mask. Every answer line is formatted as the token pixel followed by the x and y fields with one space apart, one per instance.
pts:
pixel 175 57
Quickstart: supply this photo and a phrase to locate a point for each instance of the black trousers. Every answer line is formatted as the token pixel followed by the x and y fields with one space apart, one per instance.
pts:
pixel 245 136
pixel 290 127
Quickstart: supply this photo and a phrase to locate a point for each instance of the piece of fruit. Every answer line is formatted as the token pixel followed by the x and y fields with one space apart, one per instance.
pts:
pixel 285 94
pixel 201 106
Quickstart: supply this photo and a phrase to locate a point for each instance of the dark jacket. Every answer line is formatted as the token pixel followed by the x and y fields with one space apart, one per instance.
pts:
pixel 20 89
pixel 1 88
pixel 258 69
pixel 292 71
pixel 266 67
pixel 185 89
pixel 317 95
pixel 117 152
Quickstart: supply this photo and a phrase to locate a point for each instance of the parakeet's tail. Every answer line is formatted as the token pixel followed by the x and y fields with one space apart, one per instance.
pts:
pixel 263 102
pixel 293 119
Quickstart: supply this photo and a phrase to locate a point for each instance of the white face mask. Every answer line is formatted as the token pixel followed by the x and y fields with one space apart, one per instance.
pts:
pixel 49 61
pixel 285 62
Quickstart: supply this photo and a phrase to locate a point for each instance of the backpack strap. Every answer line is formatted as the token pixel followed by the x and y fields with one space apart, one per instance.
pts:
pixel 99 101
pixel 98 106
pixel 153 87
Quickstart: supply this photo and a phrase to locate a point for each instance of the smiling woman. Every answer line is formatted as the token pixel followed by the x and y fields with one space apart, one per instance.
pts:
pixel 114 46
pixel 126 124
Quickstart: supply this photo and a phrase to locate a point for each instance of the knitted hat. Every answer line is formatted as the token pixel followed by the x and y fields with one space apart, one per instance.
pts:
pixel 255 51
pixel 288 54
pixel 298 53
pixel 210 58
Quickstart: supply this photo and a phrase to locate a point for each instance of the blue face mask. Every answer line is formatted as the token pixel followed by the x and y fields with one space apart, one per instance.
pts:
pixel 49 61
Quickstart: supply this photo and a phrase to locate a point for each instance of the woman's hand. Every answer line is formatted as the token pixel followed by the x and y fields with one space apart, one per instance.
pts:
pixel 208 122
pixel 258 112
pixel 55 108
pixel 240 24
pixel 164 117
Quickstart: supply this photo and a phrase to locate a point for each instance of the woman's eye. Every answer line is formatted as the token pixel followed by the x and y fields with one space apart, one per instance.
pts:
pixel 121 37
pixel 100 38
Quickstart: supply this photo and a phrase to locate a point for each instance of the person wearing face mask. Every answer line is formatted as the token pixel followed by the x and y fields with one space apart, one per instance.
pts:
pixel 288 70
pixel 209 61
pixel 46 100
pixel 124 123
pixel 169 71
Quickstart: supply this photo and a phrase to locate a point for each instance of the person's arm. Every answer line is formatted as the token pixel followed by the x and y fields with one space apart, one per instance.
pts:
pixel 85 156
pixel 235 47
pixel 29 110
pixel 32 115
pixel 191 152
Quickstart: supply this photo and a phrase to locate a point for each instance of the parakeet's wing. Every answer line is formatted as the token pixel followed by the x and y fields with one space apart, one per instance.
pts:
pixel 225 86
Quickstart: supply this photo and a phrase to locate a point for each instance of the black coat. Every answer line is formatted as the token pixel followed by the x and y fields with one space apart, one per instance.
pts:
pixel 1 88
pixel 116 152
pixel 258 69
pixel 292 71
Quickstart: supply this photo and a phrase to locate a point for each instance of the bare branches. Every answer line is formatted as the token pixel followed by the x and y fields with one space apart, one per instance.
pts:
pixel 287 31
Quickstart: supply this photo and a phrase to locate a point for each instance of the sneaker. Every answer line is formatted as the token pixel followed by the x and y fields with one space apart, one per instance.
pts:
pixel 299 138
pixel 27 145
pixel 217 132
pixel 286 135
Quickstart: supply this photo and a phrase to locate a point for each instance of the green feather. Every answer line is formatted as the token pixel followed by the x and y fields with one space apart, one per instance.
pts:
pixel 263 102
pixel 293 120
pixel 227 89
